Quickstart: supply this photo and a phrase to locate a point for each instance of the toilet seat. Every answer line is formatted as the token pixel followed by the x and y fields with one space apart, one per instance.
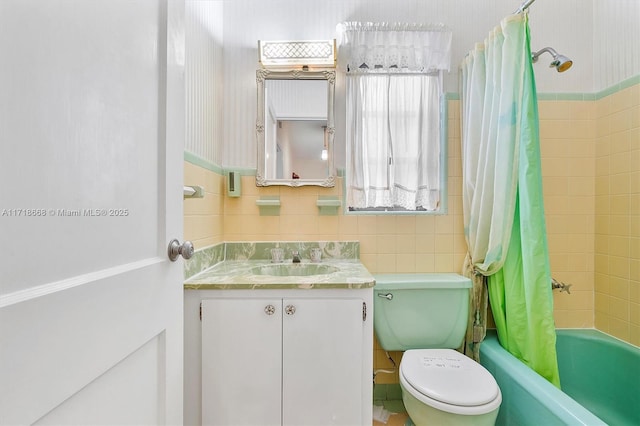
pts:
pixel 449 381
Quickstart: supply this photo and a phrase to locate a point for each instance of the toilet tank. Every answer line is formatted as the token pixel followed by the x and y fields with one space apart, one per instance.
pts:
pixel 420 311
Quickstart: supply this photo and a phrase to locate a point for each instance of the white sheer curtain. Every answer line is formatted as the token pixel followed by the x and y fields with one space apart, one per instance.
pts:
pixel 393 141
pixel 394 86
pixel 398 46
pixel 491 92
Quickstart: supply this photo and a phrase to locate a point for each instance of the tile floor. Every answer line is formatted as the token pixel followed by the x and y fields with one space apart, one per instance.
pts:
pixel 396 419
pixel 390 397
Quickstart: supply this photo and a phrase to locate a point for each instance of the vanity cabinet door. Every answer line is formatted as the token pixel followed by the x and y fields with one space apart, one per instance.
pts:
pixel 322 361
pixel 241 361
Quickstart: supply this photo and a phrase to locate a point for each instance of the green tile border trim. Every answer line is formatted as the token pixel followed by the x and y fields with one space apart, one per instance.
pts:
pixel 194 159
pixel 624 84
pixel 565 96
pixel 240 170
pixel 632 81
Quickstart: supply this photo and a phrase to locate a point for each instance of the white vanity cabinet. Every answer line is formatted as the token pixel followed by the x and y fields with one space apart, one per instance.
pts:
pixel 284 357
pixel 289 361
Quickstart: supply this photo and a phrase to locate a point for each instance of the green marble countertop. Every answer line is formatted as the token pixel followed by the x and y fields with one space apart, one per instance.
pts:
pixel 236 274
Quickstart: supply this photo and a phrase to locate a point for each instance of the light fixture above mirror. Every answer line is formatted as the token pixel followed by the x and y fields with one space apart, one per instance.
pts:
pixel 292 54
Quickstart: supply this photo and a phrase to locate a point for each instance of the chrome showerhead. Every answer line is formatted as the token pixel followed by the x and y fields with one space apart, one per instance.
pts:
pixel 560 62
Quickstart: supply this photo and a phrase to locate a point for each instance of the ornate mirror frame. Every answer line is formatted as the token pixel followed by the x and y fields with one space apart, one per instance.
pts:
pixel 265 74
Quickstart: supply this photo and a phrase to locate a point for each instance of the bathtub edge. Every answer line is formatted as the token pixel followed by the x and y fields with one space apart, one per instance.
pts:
pixel 565 408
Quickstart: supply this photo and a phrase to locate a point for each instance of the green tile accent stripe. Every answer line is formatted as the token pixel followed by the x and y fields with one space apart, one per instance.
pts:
pixel 630 82
pixel 575 96
pixel 240 170
pixel 618 87
pixel 565 96
pixel 194 159
pixel 201 162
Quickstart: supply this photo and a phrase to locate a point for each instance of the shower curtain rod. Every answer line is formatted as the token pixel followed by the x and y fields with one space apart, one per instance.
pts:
pixel 524 6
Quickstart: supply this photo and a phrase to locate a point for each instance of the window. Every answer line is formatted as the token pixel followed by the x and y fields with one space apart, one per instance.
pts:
pixel 395 142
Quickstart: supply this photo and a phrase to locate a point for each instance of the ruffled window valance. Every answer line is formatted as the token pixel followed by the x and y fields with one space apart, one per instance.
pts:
pixel 371 46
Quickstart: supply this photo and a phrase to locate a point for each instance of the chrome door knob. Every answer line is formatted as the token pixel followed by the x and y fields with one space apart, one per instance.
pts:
pixel 290 310
pixel 269 309
pixel 176 249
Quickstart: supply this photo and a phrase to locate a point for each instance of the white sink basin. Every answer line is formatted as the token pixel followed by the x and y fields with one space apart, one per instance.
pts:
pixel 293 269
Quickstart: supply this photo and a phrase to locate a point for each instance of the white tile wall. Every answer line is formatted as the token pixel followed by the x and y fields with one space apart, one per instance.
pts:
pixel 566 25
pixel 601 36
pixel 203 79
pixel 616 41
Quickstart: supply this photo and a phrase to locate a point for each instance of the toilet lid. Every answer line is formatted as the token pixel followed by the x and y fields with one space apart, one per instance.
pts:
pixel 449 377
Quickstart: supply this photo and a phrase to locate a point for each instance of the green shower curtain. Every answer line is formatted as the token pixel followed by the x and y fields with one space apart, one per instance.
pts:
pixel 520 292
pixel 503 200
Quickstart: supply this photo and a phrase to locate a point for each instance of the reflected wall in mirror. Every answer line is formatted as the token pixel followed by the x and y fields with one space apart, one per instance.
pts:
pixel 295 128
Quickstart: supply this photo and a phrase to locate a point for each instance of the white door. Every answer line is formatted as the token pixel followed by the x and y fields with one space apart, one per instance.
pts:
pixel 91 130
pixel 241 361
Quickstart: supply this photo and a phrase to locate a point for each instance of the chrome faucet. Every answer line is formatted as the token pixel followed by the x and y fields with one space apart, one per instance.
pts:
pixel 296 256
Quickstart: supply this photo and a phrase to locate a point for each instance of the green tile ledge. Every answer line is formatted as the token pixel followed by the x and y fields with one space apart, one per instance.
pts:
pixel 233 271
pixel 269 205
pixel 328 205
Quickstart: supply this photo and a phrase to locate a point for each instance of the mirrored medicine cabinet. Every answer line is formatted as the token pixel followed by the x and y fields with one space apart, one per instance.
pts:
pixel 295 127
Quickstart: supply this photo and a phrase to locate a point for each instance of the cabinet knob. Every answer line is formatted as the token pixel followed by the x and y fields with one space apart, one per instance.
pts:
pixel 269 309
pixel 290 310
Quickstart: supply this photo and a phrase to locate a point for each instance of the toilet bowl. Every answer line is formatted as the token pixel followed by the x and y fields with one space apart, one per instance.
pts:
pixel 445 387
pixel 426 315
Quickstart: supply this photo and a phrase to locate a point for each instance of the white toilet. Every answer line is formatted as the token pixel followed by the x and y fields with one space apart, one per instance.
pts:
pixel 426 315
